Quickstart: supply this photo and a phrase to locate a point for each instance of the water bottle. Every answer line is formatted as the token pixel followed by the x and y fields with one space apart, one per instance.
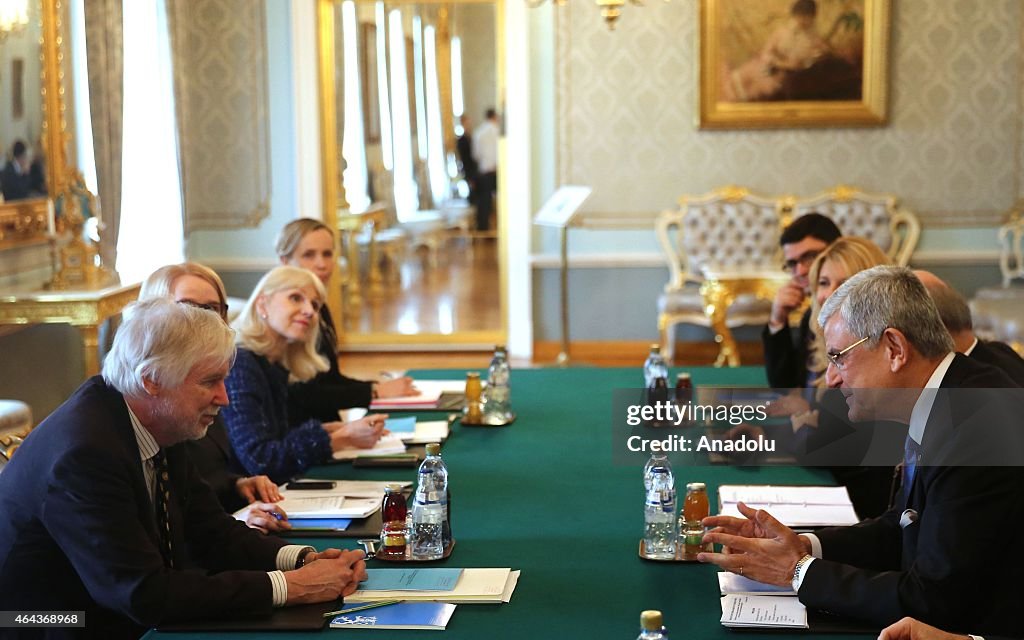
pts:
pixel 651 626
pixel 497 407
pixel 660 510
pixel 654 367
pixel 656 460
pixel 430 527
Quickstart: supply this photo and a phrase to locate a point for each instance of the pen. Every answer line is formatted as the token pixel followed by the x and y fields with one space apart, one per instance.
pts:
pixel 372 605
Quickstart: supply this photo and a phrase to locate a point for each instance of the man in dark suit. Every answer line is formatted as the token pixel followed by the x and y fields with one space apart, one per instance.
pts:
pixel 15 180
pixel 956 315
pixel 464 147
pixel 100 512
pixel 785 355
pixel 932 555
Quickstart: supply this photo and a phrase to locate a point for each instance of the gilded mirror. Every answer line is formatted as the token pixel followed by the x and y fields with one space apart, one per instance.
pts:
pixel 401 83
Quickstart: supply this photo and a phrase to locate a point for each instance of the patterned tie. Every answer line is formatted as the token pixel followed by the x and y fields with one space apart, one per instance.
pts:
pixel 163 499
pixel 911 456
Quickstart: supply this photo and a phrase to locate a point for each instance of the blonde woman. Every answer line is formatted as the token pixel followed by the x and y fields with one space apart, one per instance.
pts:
pixel 199 286
pixel 309 244
pixel 277 335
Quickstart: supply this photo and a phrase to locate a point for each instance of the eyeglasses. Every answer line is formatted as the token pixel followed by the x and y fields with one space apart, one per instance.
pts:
pixel 804 260
pixel 836 358
pixel 215 307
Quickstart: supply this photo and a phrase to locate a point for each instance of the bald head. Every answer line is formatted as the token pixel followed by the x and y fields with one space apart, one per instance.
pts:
pixel 953 309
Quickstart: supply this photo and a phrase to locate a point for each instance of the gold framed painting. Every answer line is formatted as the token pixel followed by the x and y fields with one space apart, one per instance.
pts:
pixel 793 63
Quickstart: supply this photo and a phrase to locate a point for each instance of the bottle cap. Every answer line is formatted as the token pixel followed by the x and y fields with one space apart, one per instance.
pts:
pixel 433 449
pixel 394 487
pixel 655 348
pixel 499 347
pixel 696 486
pixel 472 374
pixel 682 375
pixel 650 620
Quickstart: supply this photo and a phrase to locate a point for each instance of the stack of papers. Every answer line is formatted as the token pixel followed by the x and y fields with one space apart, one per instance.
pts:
pixel 388 445
pixel 410 431
pixel 732 584
pixel 429 394
pixel 765 612
pixel 397 615
pixel 480 586
pixel 792 506
pixel 349 499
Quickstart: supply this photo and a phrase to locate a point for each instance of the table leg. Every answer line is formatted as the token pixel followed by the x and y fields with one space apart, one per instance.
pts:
pixel 90 349
pixel 717 299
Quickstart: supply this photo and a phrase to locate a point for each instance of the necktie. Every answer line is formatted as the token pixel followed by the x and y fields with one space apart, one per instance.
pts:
pixel 163 499
pixel 911 456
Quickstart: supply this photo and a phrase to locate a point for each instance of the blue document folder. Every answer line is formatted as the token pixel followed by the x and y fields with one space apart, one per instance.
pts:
pixel 401 615
pixel 410 579
pixel 319 524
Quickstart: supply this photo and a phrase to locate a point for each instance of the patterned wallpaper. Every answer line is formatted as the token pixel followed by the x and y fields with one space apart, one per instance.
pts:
pixel 221 93
pixel 952 151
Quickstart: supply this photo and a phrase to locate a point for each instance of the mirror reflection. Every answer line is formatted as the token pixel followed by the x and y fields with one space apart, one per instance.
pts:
pixel 22 173
pixel 414 84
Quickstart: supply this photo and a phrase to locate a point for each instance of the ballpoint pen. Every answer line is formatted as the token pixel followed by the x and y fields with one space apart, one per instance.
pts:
pixel 371 605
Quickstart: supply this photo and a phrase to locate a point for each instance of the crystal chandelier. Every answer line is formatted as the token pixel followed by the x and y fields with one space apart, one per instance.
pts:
pixel 610 9
pixel 13 16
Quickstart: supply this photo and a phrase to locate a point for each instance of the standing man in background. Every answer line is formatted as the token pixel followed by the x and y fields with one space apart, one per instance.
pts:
pixel 485 152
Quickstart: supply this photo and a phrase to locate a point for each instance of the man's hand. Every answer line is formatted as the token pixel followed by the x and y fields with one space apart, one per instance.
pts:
pixel 911 629
pixel 330 575
pixel 759 547
pixel 789 297
pixel 259 488
pixel 396 388
pixel 267 517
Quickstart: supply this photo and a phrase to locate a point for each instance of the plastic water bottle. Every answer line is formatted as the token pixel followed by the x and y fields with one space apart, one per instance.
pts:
pixel 651 626
pixel 659 509
pixel 656 460
pixel 654 367
pixel 497 406
pixel 430 526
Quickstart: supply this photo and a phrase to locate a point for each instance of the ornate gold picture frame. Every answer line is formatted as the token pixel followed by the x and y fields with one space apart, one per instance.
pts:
pixel 793 63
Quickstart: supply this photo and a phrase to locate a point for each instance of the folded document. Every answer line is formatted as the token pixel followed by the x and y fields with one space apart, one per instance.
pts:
pixel 481 586
pixel 766 612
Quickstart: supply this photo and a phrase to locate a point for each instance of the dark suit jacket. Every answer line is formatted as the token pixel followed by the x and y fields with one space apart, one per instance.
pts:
pixel 1001 356
pixel 78 529
pixel 785 355
pixel 216 463
pixel 322 397
pixel 15 186
pixel 952 567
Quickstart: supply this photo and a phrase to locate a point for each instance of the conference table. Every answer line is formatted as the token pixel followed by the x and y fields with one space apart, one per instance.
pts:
pixel 544 496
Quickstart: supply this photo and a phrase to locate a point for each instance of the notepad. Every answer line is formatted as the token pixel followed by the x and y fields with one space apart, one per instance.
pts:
pixel 766 612
pixel 730 583
pixel 321 507
pixel 792 506
pixel 411 579
pixel 426 432
pixel 474 586
pixel 400 615
pixel 387 445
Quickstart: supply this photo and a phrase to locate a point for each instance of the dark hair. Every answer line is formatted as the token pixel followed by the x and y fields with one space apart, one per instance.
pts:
pixel 491 113
pixel 804 8
pixel 952 307
pixel 813 225
pixel 19 149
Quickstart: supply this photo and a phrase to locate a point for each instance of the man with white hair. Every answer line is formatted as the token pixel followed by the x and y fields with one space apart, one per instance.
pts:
pixel 101 513
pixel 935 555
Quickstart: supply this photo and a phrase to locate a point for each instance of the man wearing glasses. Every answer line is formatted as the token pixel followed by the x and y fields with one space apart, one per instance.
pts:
pixel 785 357
pixel 934 555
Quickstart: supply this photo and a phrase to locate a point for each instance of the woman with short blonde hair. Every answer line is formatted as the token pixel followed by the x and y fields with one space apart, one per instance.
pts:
pixel 277 335
pixel 161 284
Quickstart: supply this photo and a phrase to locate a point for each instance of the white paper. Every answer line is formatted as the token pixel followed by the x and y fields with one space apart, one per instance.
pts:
pixel 385 446
pixel 363 488
pixel 426 432
pixel 763 611
pixel 312 506
pixel 769 494
pixel 795 515
pixel 563 204
pixel 731 583
pixel 316 507
pixel 429 393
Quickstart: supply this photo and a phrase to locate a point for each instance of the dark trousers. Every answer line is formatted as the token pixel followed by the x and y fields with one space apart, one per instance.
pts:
pixel 483 196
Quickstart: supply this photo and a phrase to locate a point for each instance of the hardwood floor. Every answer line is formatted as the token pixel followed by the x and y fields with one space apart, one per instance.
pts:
pixel 460 293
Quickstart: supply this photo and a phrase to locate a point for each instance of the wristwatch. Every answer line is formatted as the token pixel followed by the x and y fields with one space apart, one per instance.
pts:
pixel 798 570
pixel 301 560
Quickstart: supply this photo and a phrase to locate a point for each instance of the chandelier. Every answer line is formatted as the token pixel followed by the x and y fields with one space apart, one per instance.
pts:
pixel 13 16
pixel 610 9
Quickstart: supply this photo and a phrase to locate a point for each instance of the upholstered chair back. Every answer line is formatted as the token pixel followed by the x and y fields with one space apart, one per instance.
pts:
pixel 858 213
